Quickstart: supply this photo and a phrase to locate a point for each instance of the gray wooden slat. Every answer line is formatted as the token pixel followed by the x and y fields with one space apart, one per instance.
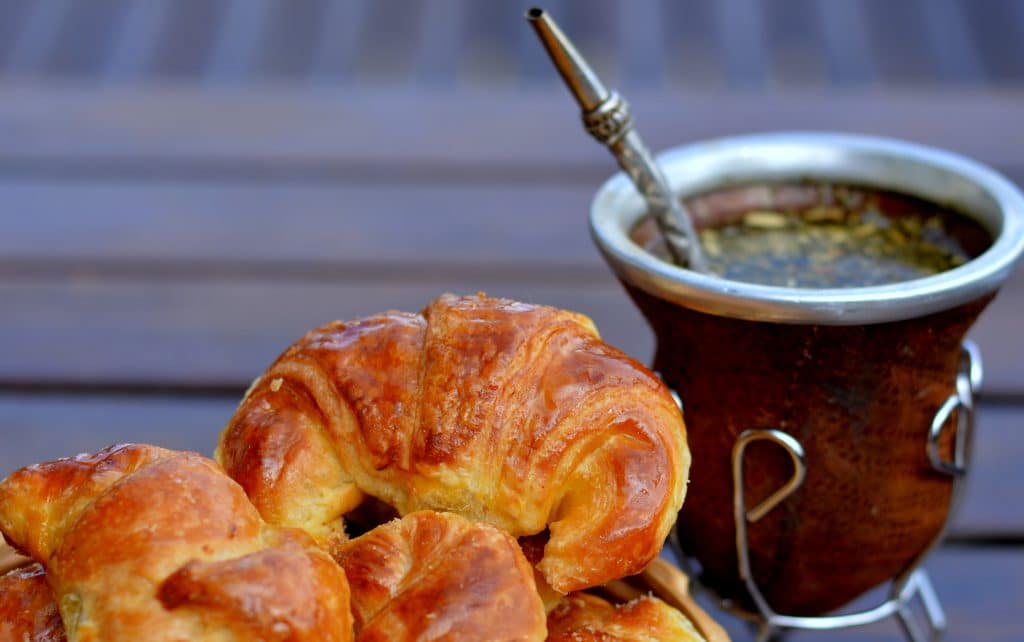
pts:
pixel 694 62
pixel 218 332
pixel 998 34
pixel 641 33
pixel 441 42
pixel 793 43
pixel 191 29
pixel 137 38
pixel 741 31
pixel 37 428
pixel 87 33
pixel 991 502
pixel 97 326
pixel 998 332
pixel 38 36
pixel 532 135
pixel 897 37
pixel 980 590
pixel 850 57
pixel 492 46
pixel 237 47
pixel 268 227
pixel 951 45
pixel 288 46
pixel 337 41
pixel 388 44
pixel 15 19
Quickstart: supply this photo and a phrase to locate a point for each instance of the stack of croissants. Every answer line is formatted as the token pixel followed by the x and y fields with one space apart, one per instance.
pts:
pixel 465 473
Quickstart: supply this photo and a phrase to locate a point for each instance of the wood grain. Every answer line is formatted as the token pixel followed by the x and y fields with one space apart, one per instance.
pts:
pixel 225 332
pixel 979 590
pixel 105 324
pixel 272 227
pixel 494 135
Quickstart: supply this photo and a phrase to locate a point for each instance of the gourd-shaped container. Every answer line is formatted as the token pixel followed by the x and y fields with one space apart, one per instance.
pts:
pixel 855 375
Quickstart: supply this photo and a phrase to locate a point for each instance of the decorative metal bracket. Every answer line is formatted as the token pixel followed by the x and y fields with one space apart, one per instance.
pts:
pixel 913 583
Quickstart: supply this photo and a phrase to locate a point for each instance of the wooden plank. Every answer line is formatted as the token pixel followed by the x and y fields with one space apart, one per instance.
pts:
pixel 850 58
pixel 950 42
pixel 473 135
pixel 275 223
pixel 693 58
pixel 188 38
pixel 290 40
pixel 440 43
pixel 741 31
pixel 223 333
pixel 337 41
pixel 39 427
pixel 998 333
pixel 236 49
pixel 137 37
pixel 901 48
pixel 218 326
pixel 38 36
pixel 642 34
pixel 795 51
pixel 981 592
pixel 998 28
pixel 991 503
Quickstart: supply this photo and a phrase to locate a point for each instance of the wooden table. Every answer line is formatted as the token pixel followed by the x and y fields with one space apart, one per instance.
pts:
pixel 160 246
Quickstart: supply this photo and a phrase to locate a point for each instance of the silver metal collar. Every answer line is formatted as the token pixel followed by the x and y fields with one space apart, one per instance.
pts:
pixel 931 174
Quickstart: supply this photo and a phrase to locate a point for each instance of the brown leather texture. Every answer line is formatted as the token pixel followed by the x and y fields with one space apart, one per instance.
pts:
pixel 860 399
pixel 444 578
pixel 142 543
pixel 509 413
pixel 28 610
pixel 580 617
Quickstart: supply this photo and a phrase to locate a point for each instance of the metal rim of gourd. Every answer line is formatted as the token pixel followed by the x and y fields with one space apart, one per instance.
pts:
pixel 931 174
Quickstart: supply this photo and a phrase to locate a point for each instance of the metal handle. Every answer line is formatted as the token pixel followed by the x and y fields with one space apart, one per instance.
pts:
pixel 968 379
pixel 742 516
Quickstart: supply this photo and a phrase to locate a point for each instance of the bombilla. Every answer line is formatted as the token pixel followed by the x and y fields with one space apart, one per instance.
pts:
pixel 607 118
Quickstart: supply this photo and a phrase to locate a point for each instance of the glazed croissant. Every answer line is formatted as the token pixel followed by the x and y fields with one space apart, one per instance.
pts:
pixel 513 414
pixel 28 610
pixel 441 577
pixel 142 543
pixel 586 618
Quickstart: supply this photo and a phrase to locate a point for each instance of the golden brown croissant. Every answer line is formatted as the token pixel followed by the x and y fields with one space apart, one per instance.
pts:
pixel 142 543
pixel 28 610
pixel 586 618
pixel 441 577
pixel 513 414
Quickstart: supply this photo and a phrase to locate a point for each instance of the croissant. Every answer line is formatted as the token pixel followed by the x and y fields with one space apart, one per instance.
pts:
pixel 441 577
pixel 28 610
pixel 142 543
pixel 513 414
pixel 586 618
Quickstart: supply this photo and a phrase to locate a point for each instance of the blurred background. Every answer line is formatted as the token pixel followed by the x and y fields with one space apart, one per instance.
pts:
pixel 685 45
pixel 189 185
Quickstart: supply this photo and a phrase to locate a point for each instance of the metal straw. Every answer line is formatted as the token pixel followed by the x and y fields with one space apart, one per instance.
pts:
pixel 607 117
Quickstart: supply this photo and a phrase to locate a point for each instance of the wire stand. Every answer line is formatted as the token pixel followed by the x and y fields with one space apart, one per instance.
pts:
pixel 914 583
